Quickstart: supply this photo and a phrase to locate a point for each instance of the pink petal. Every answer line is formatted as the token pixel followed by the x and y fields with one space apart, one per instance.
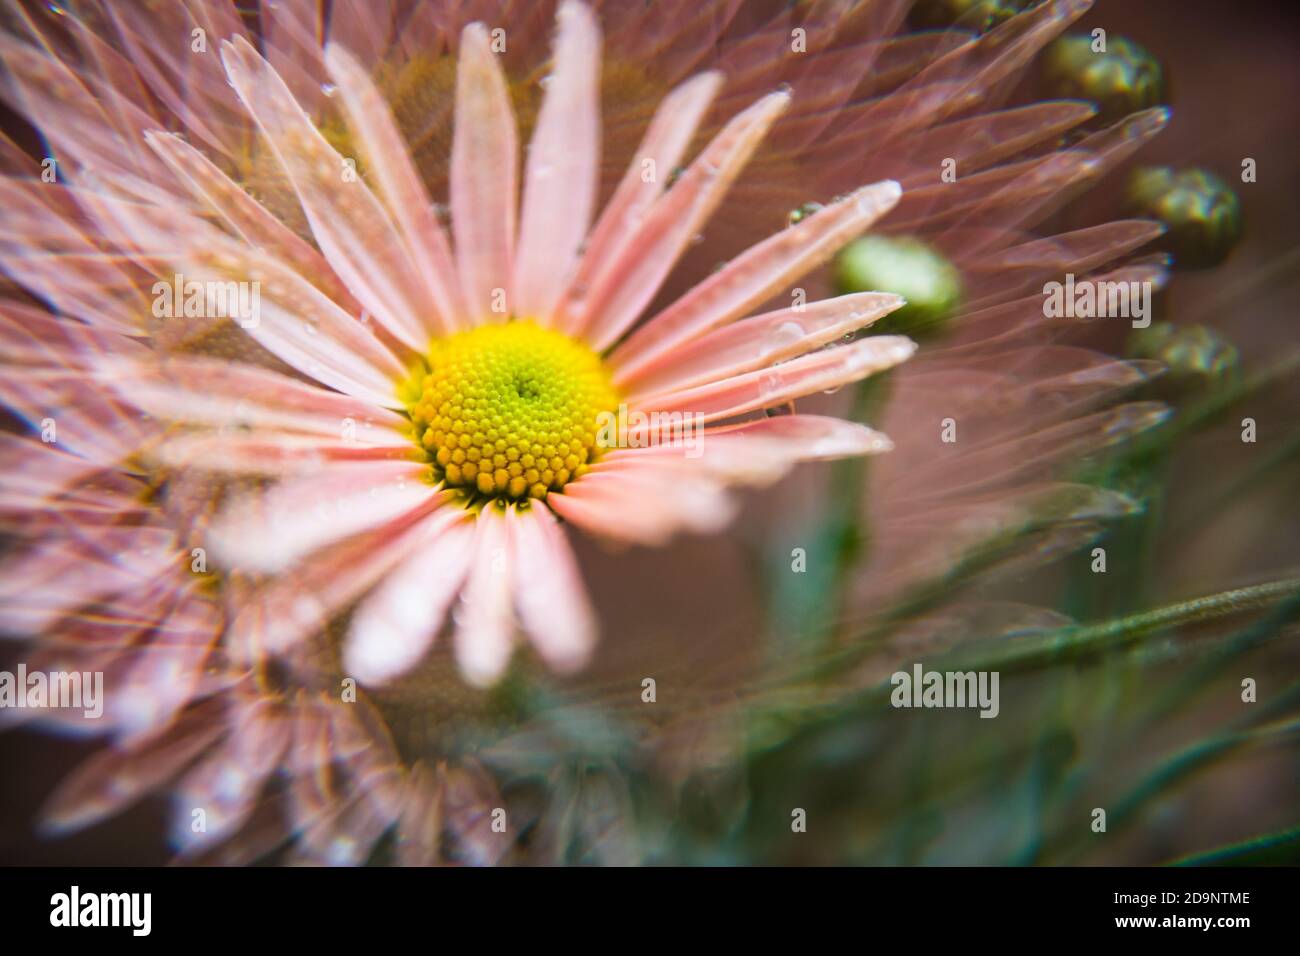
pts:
pixel 80 281
pixel 468 795
pixel 757 452
pixel 35 337
pixel 273 455
pixel 350 225
pixel 191 84
pixel 484 624
pixel 90 423
pixel 825 370
pixel 363 26
pixel 168 673
pixel 758 342
pixel 245 214
pixel 616 299
pixel 72 117
pixel 61 574
pixel 295 321
pixel 272 530
pixel 484 177
pixel 646 504
pixel 227 781
pixel 661 150
pixel 110 781
pixel 563 167
pixel 390 168
pixel 338 818
pixel 420 830
pixel 289 608
pixel 293 33
pixel 396 623
pixel 756 275
pixel 233 395
pixel 37 473
pixel 549 592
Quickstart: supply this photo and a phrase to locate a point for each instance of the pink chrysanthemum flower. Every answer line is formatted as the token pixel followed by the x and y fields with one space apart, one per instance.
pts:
pixel 312 461
pixel 468 392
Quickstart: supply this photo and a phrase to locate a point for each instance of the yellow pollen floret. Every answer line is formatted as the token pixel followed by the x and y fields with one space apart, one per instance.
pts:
pixel 510 411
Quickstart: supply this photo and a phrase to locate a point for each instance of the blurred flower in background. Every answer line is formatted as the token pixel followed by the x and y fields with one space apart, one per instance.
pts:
pixel 253 523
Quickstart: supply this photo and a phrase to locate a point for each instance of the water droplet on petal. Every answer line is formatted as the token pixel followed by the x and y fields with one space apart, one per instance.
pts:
pixel 784 335
pixel 803 212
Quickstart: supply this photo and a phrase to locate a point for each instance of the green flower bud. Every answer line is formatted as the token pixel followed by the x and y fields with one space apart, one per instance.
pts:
pixel 980 15
pixel 904 266
pixel 1189 353
pixel 1122 80
pixel 1202 215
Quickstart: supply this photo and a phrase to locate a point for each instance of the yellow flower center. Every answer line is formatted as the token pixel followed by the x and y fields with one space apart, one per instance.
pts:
pixel 510 411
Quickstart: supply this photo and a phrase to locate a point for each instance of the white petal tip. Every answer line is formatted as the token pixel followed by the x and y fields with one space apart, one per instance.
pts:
pixel 573 658
pixel 573 8
pixel 878 197
pixel 476 31
pixel 482 673
pixel 373 659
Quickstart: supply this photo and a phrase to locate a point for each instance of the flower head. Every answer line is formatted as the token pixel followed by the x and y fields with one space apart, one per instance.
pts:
pixel 485 364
